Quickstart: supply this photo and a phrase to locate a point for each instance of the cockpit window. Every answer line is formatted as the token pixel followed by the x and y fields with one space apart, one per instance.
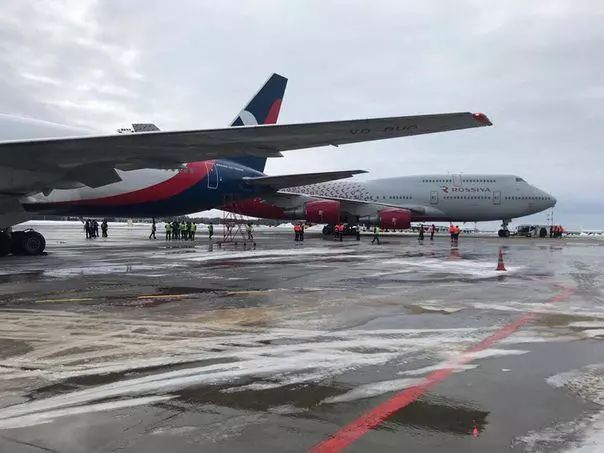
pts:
pixel 520 180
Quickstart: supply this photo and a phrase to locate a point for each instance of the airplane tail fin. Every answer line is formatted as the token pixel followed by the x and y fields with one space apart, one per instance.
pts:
pixel 262 109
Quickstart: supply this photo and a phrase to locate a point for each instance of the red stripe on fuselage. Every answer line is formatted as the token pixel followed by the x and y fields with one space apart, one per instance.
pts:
pixel 183 180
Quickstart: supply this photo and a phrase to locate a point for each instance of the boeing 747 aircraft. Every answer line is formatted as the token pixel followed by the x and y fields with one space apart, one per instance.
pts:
pixel 54 169
pixel 396 202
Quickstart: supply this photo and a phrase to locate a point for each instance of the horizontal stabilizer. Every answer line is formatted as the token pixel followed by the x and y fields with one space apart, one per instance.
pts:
pixel 302 179
pixel 144 127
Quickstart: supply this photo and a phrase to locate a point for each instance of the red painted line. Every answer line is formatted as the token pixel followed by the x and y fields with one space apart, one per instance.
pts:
pixel 373 418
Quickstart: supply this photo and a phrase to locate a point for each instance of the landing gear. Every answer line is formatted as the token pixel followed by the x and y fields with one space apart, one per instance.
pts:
pixel 328 230
pixel 504 232
pixel 28 242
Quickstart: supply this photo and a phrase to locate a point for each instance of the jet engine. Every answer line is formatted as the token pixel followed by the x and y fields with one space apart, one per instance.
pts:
pixel 322 211
pixel 389 218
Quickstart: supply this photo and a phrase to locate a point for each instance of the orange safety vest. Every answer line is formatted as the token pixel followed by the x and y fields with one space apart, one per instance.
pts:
pixel 296 228
pixel 452 229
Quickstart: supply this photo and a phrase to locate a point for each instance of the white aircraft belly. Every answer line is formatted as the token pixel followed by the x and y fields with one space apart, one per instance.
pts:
pixel 131 181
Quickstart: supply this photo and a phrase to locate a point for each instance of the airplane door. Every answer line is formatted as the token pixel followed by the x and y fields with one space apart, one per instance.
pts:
pixel 457 180
pixel 212 175
pixel 434 197
pixel 497 197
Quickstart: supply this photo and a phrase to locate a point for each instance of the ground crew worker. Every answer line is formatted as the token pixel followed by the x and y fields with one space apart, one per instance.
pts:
pixel 168 227
pixel 153 230
pixel 421 232
pixel 341 231
pixel 183 231
pixel 193 230
pixel 297 232
pixel 452 232
pixel 376 234
pixel 104 228
pixel 250 231
pixel 175 230
pixel 432 231
pixel 210 230
pixel 87 229
pixel 456 235
pixel 301 232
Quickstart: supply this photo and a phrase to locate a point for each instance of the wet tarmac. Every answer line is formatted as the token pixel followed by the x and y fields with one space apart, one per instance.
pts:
pixel 133 345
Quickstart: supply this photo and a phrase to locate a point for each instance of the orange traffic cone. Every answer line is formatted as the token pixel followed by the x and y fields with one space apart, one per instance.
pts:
pixel 475 432
pixel 500 265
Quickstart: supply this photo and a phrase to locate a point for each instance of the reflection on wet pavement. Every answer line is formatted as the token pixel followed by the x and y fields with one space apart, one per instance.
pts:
pixel 278 347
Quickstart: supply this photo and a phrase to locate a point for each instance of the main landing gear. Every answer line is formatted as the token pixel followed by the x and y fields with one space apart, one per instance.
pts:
pixel 504 232
pixel 349 230
pixel 28 242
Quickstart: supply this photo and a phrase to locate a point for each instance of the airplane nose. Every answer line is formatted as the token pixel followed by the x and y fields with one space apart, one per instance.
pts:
pixel 550 201
pixel 553 201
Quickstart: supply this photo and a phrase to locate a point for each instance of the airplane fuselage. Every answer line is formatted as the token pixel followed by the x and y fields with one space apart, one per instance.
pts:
pixel 476 197
pixel 197 186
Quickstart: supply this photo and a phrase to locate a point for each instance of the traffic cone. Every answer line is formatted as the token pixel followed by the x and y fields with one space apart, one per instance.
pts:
pixel 475 432
pixel 500 265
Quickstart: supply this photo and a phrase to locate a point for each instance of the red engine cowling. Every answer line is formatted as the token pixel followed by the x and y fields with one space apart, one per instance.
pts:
pixel 399 219
pixel 324 211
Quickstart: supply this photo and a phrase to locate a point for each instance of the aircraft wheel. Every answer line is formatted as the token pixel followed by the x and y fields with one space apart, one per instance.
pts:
pixel 32 243
pixel 327 230
pixel 5 244
pixel 503 233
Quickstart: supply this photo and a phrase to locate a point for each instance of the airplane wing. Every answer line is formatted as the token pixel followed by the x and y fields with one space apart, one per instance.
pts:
pixel 290 198
pixel 163 149
pixel 283 181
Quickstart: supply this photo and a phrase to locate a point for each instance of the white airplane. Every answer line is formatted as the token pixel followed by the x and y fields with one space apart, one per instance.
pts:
pixel 54 169
pixel 396 202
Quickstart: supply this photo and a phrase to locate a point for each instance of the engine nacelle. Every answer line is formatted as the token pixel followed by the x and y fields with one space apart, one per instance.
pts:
pixel 323 211
pixel 390 218
pixel 399 219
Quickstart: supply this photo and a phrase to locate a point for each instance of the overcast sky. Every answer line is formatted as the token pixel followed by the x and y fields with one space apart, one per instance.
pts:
pixel 535 68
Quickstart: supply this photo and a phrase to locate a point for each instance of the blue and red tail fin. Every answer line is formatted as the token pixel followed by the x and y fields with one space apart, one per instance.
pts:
pixel 262 109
